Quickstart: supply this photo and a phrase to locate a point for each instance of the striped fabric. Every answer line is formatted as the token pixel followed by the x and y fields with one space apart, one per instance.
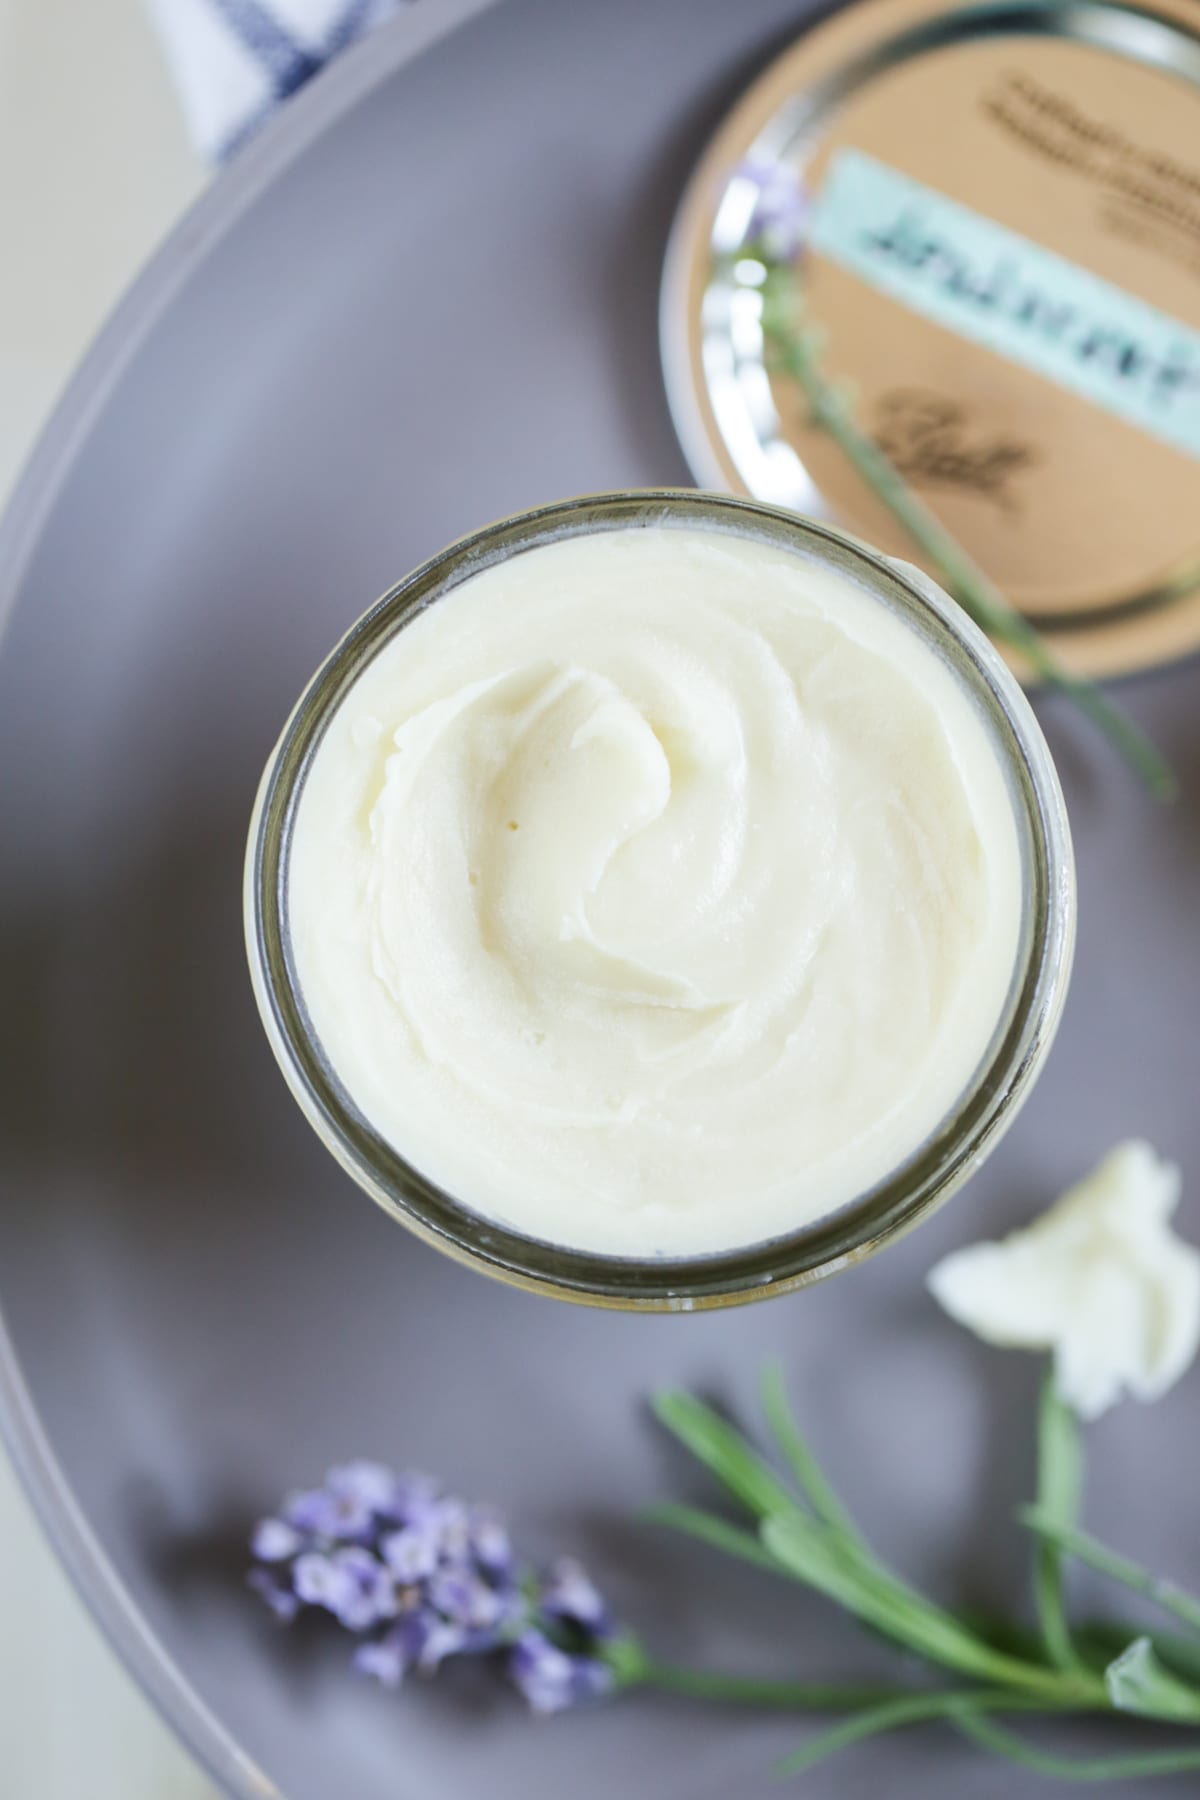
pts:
pixel 235 61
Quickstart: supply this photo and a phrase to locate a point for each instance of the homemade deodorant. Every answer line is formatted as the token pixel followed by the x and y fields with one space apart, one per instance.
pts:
pixel 656 890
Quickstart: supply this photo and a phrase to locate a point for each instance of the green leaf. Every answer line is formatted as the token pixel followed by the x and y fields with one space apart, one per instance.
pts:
pixel 1060 1482
pixel 1099 1641
pixel 711 1530
pixel 1179 1654
pixel 1090 1550
pixel 800 1459
pixel 1137 1682
pixel 807 1551
pixel 1001 1742
pixel 791 1537
pixel 864 1587
pixel 837 1563
pixel 723 1450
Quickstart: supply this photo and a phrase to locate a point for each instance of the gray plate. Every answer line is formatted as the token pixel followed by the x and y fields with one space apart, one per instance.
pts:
pixel 425 298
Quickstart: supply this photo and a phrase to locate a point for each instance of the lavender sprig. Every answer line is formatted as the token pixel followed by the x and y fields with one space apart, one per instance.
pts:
pixel 418 1576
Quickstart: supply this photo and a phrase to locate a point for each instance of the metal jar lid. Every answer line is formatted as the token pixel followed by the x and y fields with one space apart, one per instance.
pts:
pixel 1002 248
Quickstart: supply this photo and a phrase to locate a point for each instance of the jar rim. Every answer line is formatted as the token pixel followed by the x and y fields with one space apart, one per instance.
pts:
pixel 923 1181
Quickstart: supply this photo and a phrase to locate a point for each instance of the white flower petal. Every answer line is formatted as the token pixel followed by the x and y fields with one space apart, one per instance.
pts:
pixel 1101 1336
pixel 1174 1329
pixel 1100 1279
pixel 1133 1189
pixel 1009 1294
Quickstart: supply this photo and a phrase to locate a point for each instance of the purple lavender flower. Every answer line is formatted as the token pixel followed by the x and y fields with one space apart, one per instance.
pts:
pixel 450 1519
pixel 316 1579
pixel 275 1590
pixel 365 1484
pixel 352 1584
pixel 384 1659
pixel 781 217
pixel 414 1494
pixel 551 1679
pixel 412 1552
pixel 467 1600
pixel 273 1541
pixel 325 1513
pixel 436 1638
pixel 490 1542
pixel 569 1593
pixel 388 1658
pixel 419 1576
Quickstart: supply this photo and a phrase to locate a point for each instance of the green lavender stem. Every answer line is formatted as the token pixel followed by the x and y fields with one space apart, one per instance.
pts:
pixel 634 1667
pixel 1060 1481
pixel 796 352
pixel 792 1696
pixel 990 1736
pixel 805 1533
pixel 735 1690
pixel 916 1709
pixel 1098 1556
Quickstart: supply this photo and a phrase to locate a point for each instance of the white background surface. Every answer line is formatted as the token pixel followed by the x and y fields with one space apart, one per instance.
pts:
pixel 94 168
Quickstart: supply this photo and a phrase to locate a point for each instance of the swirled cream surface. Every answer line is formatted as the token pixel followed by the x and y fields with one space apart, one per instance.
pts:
pixel 655 891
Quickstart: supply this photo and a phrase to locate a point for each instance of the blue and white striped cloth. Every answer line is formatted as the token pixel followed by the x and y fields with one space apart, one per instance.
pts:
pixel 235 61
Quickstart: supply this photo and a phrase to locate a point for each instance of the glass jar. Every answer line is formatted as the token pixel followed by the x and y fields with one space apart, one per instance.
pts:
pixel 985 1108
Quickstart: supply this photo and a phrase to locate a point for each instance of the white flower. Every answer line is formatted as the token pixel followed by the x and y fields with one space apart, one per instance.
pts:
pixel 1100 1279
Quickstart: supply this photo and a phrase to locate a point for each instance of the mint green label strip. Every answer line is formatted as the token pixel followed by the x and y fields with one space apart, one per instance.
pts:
pixel 963 271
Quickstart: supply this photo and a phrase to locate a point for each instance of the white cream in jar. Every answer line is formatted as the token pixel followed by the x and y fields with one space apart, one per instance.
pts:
pixel 656 891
